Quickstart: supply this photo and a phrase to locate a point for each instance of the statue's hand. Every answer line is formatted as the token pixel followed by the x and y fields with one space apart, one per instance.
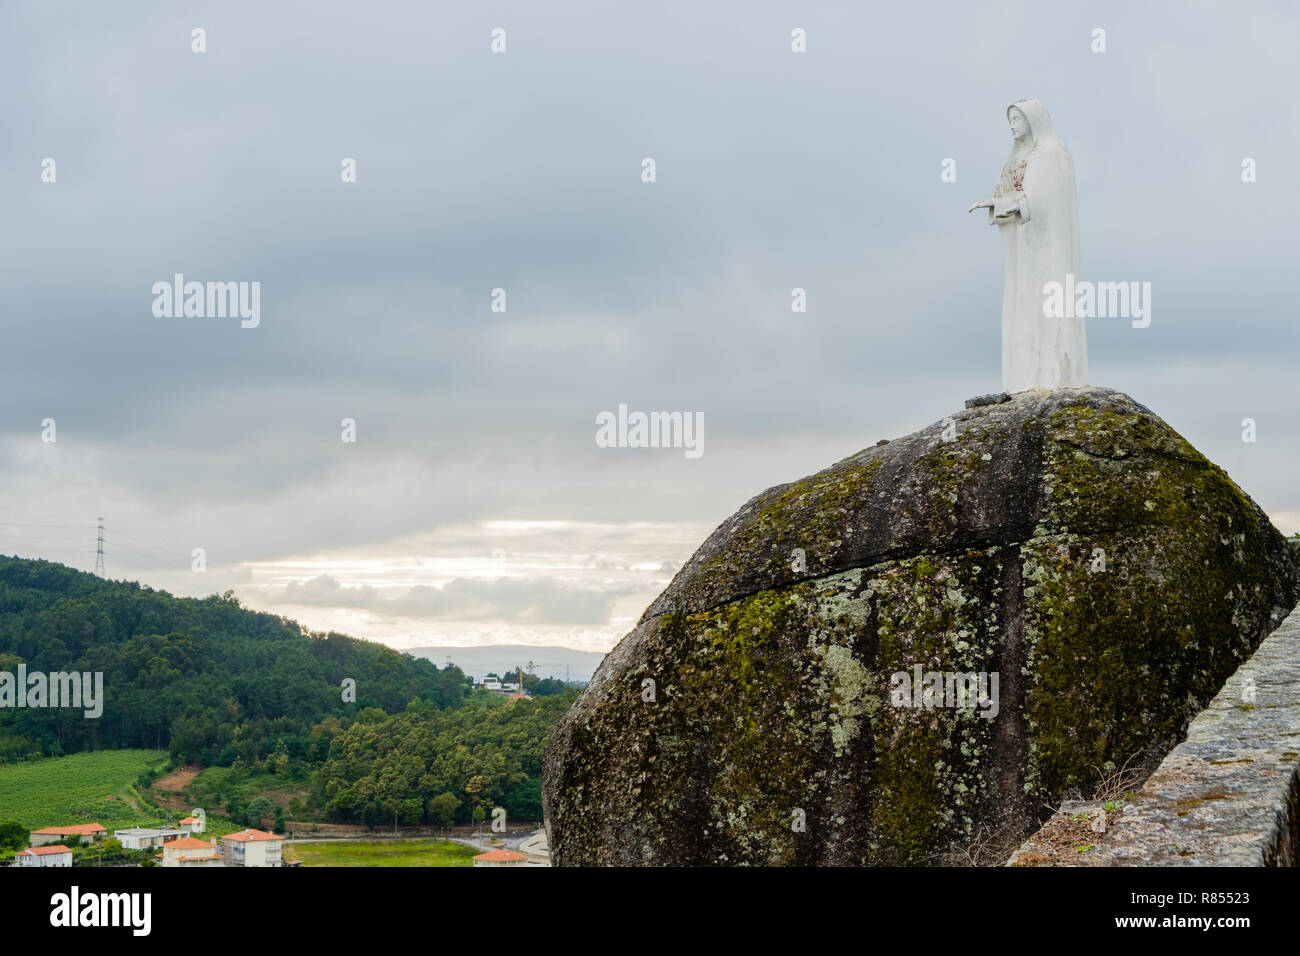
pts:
pixel 1011 215
pixel 982 204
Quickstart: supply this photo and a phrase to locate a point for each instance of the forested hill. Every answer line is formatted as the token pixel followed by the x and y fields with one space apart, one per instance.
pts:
pixel 207 678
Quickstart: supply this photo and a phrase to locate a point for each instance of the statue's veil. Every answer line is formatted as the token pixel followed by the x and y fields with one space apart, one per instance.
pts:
pixel 1040 122
pixel 1050 175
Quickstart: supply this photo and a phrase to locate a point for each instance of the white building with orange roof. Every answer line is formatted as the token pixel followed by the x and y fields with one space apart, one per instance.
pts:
pixel 251 848
pixel 142 838
pixel 191 825
pixel 80 832
pixel 55 854
pixel 188 851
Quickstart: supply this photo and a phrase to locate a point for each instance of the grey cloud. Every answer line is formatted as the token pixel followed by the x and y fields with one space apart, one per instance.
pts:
pixel 522 171
pixel 517 600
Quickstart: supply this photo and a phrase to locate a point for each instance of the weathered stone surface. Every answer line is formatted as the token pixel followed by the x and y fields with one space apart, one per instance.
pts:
pixel 997 398
pixel 756 687
pixel 1229 795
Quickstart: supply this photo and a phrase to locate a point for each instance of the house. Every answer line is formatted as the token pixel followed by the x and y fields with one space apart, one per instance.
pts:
pixel 188 851
pixel 509 685
pixel 521 696
pixel 251 848
pixel 141 838
pixel 491 683
pixel 51 854
pixel 82 832
pixel 502 857
pixel 191 825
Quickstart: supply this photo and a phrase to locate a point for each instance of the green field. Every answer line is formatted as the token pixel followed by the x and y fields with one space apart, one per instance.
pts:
pixel 382 853
pixel 80 788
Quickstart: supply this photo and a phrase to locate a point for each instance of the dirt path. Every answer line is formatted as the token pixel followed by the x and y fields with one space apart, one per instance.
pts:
pixel 178 779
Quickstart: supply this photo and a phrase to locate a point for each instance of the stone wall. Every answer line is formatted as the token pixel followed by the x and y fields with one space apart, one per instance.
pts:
pixel 1229 794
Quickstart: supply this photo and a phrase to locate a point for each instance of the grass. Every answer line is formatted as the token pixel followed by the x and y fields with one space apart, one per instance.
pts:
pixel 80 788
pixel 382 853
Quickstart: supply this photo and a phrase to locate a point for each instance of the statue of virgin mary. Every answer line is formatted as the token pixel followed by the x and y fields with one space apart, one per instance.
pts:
pixel 1033 208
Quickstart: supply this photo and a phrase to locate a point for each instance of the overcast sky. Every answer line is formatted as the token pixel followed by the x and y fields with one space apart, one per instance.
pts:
pixel 475 505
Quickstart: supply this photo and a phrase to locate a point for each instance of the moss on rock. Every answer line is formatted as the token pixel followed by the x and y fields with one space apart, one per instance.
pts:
pixel 1070 542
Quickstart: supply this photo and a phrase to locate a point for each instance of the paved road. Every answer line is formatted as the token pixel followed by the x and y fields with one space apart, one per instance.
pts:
pixel 511 839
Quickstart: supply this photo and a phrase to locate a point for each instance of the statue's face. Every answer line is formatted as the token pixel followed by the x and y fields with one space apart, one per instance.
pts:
pixel 1019 125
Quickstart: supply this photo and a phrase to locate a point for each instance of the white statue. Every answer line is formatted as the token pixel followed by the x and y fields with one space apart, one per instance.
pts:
pixel 1033 208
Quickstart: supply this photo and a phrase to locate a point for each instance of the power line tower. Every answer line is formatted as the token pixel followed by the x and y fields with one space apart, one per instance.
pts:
pixel 99 553
pixel 532 669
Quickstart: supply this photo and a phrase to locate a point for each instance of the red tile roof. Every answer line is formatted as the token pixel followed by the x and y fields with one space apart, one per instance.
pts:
pixel 190 820
pixel 244 836
pixel 189 843
pixel 501 856
pixel 76 829
pixel 46 850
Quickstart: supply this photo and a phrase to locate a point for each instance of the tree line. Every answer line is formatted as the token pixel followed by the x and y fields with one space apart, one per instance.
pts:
pixel 218 684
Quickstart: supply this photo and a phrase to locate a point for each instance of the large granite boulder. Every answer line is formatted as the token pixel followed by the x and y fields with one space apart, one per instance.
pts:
pixel 764 711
